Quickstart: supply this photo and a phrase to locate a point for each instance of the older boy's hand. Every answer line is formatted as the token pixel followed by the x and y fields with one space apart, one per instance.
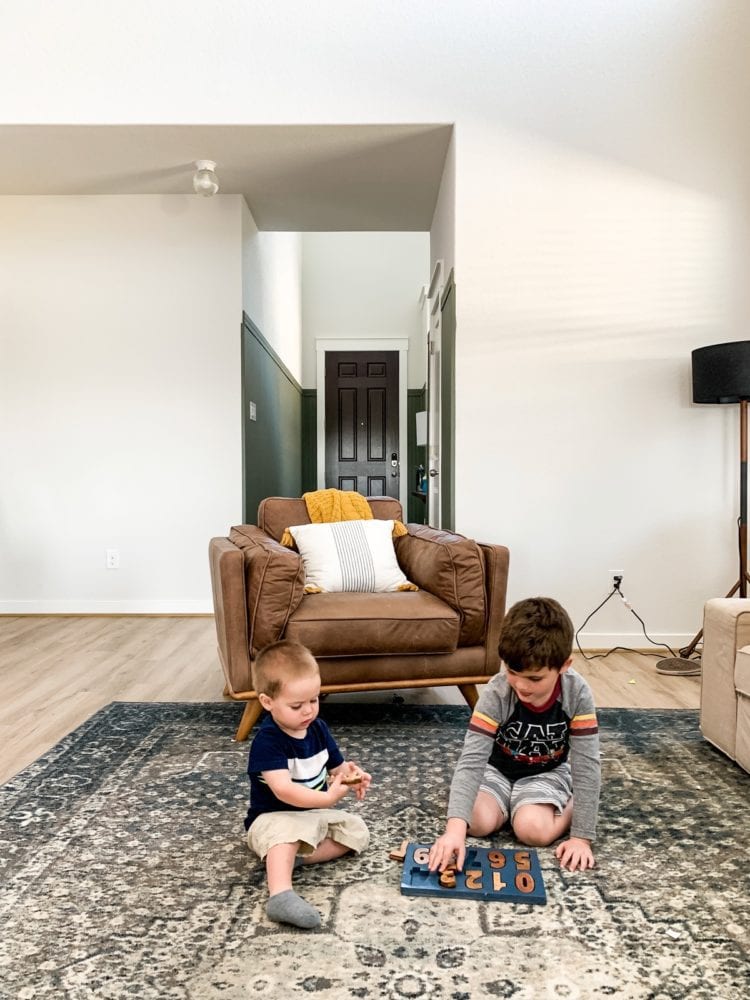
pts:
pixel 451 845
pixel 575 852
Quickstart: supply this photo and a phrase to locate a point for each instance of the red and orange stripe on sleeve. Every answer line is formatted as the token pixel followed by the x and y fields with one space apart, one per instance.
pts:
pixel 584 725
pixel 481 723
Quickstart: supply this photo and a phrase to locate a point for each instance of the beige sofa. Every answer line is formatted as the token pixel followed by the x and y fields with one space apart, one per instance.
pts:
pixel 446 633
pixel 725 682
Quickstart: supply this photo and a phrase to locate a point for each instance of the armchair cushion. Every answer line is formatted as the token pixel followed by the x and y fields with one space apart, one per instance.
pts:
pixel 353 556
pixel 374 624
pixel 275 579
pixel 452 568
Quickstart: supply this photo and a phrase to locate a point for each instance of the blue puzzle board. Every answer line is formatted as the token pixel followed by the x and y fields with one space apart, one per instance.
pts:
pixel 488 874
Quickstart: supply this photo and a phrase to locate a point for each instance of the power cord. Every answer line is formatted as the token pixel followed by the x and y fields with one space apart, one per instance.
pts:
pixel 627 649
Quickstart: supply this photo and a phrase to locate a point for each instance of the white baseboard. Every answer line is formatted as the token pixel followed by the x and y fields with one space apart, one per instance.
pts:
pixel 83 607
pixel 634 640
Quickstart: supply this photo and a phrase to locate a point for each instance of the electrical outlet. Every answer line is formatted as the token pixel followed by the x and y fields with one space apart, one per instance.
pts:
pixel 112 559
pixel 616 575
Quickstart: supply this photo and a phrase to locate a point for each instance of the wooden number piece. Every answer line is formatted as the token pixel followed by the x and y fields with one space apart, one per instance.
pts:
pixel 497 881
pixel 421 856
pixel 525 882
pixel 398 853
pixel 474 878
pixel 448 877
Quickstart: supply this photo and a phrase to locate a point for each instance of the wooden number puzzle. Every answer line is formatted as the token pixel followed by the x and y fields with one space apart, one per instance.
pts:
pixel 489 874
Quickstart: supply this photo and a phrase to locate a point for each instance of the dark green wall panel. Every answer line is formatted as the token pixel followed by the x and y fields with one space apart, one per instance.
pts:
pixel 309 440
pixel 272 443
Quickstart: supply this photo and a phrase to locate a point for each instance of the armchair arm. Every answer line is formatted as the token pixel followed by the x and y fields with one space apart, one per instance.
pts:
pixel 496 561
pixel 451 568
pixel 230 612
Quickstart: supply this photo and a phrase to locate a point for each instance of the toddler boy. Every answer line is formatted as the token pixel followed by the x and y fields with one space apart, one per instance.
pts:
pixel 291 757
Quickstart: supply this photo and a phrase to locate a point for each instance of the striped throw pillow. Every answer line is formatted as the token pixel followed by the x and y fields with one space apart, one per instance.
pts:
pixel 354 556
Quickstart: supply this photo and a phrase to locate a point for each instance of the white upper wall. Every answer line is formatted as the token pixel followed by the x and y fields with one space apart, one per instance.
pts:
pixel 119 399
pixel 443 229
pixel 364 285
pixel 602 158
pixel 271 288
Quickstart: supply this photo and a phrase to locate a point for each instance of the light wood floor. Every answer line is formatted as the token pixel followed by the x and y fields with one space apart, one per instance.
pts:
pixel 55 672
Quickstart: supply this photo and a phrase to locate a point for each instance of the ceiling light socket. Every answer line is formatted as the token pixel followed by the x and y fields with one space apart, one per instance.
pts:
pixel 205 181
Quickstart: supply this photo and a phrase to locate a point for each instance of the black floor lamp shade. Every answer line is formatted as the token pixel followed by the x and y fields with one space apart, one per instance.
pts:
pixel 721 373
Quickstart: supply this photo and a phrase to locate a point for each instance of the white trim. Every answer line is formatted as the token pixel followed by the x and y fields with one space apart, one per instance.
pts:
pixel 400 344
pixel 634 640
pixel 436 280
pixel 94 607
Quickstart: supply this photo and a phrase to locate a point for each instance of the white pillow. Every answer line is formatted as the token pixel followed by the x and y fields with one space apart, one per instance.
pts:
pixel 353 556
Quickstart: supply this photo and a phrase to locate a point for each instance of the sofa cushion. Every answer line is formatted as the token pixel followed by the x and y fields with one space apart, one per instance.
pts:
pixel 742 671
pixel 374 624
pixel 452 568
pixel 275 584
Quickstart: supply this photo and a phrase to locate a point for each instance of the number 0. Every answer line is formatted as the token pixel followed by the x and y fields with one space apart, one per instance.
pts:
pixel 525 882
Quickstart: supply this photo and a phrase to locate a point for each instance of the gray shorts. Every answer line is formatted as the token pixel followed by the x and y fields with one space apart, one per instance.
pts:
pixel 309 827
pixel 554 788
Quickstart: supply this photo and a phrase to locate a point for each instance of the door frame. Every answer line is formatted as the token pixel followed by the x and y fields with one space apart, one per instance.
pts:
pixel 400 344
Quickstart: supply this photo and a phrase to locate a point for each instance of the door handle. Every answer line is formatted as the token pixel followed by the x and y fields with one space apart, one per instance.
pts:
pixel 433 473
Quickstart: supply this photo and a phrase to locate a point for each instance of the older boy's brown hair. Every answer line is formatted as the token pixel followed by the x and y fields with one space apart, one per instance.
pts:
pixel 536 632
pixel 280 662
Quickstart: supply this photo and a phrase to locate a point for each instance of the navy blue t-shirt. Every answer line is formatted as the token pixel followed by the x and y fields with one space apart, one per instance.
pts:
pixel 308 760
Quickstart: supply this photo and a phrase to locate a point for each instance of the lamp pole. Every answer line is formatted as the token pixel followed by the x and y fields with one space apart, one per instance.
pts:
pixel 742 582
pixel 743 499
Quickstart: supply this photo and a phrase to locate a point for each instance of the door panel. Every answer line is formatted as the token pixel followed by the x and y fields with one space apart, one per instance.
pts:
pixel 361 419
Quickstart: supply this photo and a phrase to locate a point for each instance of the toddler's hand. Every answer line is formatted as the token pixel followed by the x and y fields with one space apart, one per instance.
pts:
pixel 350 769
pixel 336 788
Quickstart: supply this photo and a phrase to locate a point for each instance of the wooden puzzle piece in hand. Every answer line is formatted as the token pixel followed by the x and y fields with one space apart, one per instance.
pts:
pixel 489 874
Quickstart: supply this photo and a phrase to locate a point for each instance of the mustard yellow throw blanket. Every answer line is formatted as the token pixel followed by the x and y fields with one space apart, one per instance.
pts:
pixel 326 506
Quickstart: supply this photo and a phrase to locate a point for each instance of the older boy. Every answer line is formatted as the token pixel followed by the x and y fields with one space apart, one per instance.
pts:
pixel 531 754
pixel 291 758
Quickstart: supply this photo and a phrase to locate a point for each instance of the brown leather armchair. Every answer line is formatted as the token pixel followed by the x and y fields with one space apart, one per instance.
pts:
pixel 443 634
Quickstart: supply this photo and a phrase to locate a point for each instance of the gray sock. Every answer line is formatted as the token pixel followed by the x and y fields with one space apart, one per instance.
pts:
pixel 289 908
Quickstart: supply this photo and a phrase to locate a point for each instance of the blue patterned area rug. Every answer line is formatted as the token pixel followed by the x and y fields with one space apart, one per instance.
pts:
pixel 125 873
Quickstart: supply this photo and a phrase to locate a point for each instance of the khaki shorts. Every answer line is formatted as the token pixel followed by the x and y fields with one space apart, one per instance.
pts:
pixel 309 827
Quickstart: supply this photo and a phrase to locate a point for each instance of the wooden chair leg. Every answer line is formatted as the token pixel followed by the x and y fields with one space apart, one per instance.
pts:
pixel 470 693
pixel 249 717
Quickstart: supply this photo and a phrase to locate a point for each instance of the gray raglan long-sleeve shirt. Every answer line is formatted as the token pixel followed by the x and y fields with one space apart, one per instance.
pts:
pixel 518 740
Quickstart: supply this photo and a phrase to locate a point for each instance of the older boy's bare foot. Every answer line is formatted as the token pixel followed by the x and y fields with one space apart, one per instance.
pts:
pixel 289 908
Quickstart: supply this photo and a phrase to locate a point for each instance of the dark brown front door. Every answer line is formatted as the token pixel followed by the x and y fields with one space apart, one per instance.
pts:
pixel 361 413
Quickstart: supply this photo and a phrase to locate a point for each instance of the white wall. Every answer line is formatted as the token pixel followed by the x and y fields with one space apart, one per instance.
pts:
pixel 271 288
pixel 583 315
pixel 364 285
pixel 443 228
pixel 602 163
pixel 119 399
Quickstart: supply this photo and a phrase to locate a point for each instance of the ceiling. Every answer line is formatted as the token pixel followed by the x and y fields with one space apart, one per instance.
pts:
pixel 297 178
